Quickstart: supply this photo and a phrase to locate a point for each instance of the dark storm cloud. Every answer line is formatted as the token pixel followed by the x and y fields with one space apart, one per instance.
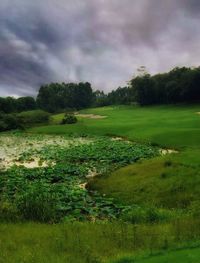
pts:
pixel 192 6
pixel 101 41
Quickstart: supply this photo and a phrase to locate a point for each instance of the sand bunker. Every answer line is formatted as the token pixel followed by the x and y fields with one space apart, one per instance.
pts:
pixel 117 139
pixel 91 116
pixel 120 139
pixel 167 151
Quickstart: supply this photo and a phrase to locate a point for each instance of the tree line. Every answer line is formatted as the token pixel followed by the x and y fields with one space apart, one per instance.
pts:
pixel 54 97
pixel 180 85
pixel 57 97
pixel 11 105
pixel 18 113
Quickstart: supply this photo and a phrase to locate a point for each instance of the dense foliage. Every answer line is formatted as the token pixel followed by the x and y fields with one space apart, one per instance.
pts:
pixel 9 122
pixel 22 120
pixel 180 85
pixel 10 104
pixel 57 97
pixel 119 96
pixel 122 96
pixel 28 118
pixel 69 119
pixel 50 193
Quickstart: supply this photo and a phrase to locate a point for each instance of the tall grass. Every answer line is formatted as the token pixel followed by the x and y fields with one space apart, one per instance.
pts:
pixel 91 242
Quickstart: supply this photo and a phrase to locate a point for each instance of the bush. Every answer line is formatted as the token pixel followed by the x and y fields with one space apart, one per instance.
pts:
pixel 69 119
pixel 9 122
pixel 33 117
pixel 3 125
pixel 23 119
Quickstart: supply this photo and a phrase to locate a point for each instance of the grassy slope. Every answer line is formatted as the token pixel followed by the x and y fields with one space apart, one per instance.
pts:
pixel 172 181
pixel 170 126
pixel 174 126
pixel 161 182
pixel 184 256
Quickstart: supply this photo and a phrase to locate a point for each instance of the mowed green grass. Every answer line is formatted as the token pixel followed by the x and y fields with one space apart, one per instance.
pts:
pixel 171 126
pixel 183 256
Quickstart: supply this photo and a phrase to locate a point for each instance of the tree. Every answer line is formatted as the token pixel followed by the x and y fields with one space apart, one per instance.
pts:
pixel 13 105
pixel 9 122
pixel 143 87
pixel 25 104
pixel 177 86
pixel 8 105
pixel 100 99
pixel 57 97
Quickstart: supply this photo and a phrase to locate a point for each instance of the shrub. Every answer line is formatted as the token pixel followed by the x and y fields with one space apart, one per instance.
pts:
pixel 9 122
pixel 33 117
pixel 69 119
pixel 3 125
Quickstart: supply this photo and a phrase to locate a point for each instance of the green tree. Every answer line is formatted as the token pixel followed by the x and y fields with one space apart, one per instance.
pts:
pixel 57 97
pixel 25 104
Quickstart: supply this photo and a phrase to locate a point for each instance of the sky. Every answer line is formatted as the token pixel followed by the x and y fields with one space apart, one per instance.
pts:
pixel 99 41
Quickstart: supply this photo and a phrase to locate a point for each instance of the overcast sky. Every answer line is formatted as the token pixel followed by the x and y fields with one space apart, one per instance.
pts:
pixel 100 41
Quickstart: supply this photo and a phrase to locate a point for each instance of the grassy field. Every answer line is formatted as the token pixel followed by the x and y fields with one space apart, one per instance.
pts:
pixel 161 182
pixel 171 126
pixel 176 127
pixel 163 192
pixel 88 243
pixel 184 256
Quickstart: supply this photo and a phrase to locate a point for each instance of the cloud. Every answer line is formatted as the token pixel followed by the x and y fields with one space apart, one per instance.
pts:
pixel 100 41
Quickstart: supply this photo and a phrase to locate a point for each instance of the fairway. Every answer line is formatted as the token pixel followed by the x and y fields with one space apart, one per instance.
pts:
pixel 170 126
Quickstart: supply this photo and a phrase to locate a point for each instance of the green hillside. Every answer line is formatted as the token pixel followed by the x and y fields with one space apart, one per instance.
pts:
pixel 159 197
pixel 175 126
